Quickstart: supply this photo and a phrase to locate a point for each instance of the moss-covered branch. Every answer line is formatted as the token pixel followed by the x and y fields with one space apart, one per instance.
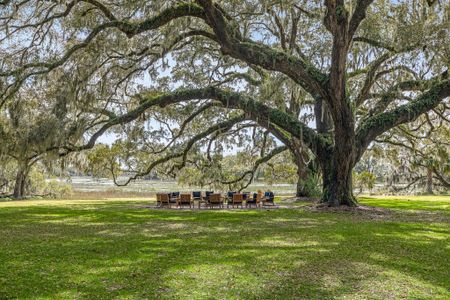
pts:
pixel 377 124
pixel 370 78
pixel 358 15
pixel 232 43
pixel 396 92
pixel 374 43
pixel 128 27
pixel 254 110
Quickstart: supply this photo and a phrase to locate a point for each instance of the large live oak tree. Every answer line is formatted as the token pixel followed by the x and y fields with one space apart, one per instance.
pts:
pixel 348 115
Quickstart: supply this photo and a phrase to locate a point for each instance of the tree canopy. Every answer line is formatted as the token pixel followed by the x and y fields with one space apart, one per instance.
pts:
pixel 321 78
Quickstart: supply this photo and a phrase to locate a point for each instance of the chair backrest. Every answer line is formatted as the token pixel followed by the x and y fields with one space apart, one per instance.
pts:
pixel 196 194
pixel 238 198
pixel 164 198
pixel 175 194
pixel 246 195
pixel 214 198
pixel 185 198
pixel 158 197
pixel 266 194
pixel 230 194
pixel 208 193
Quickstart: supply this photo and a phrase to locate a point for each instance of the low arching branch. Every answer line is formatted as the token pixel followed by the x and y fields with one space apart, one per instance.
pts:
pixel 258 162
pixel 226 125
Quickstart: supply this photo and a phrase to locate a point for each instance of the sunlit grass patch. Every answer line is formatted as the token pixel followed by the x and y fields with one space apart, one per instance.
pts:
pixel 427 202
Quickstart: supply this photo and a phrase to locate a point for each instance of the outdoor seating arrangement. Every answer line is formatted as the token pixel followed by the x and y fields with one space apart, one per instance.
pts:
pixel 209 199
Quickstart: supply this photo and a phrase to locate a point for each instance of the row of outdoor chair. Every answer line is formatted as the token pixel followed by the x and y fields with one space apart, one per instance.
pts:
pixel 169 199
pixel 211 199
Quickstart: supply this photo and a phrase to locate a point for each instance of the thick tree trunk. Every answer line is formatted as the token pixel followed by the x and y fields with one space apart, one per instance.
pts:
pixel 20 182
pixel 337 184
pixel 337 166
pixel 302 173
pixel 302 190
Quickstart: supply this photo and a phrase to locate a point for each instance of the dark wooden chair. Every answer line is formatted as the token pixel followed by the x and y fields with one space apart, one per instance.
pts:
pixel 215 200
pixel 238 199
pixel 185 199
pixel 164 199
pixel 207 194
pixel 158 199
pixel 205 198
pixel 230 195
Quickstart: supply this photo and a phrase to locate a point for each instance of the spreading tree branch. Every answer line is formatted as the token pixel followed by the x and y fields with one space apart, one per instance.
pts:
pixel 377 124
pixel 254 110
pixel 358 16
pixel 233 44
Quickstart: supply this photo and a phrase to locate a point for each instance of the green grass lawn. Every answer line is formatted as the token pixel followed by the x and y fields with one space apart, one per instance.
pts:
pixel 429 202
pixel 119 249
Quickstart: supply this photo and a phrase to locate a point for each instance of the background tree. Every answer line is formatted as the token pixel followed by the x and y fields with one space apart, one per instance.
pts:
pixel 365 179
pixel 103 161
pixel 422 148
pixel 35 126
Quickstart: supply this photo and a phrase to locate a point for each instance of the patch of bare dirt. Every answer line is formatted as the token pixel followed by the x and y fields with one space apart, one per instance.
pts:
pixel 369 212
pixel 300 199
pixel 359 208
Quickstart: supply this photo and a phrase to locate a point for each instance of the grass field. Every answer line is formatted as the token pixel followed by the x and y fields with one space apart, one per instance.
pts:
pixel 437 203
pixel 102 249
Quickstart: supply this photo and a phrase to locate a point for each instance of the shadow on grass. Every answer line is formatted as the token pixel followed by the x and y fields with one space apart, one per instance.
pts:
pixel 104 251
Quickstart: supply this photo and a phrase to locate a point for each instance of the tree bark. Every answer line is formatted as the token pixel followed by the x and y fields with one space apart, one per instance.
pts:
pixel 337 165
pixel 20 182
pixel 302 173
pixel 300 156
pixel 429 180
pixel 337 183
